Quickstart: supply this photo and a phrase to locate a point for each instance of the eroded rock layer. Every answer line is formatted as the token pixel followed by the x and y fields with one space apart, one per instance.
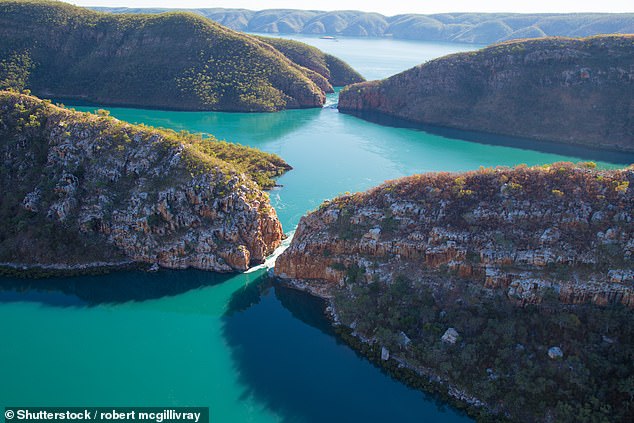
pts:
pixel 83 188
pixel 528 232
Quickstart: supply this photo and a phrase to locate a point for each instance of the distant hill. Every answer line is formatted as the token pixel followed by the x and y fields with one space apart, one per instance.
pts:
pixel 173 60
pixel 574 91
pixel 479 28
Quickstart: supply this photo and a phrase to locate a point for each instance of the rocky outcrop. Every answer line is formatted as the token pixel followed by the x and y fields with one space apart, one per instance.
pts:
pixel 81 188
pixel 556 230
pixel 173 61
pixel 573 91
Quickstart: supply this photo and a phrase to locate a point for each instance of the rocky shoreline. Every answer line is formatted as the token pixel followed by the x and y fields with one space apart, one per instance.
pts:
pixel 37 271
pixel 397 366
pixel 490 278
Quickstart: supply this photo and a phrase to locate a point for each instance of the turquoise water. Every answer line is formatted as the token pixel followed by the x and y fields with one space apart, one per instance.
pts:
pixel 377 58
pixel 250 351
pixel 332 153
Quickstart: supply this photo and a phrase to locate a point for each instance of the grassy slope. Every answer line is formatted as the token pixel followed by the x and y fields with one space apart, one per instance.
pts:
pixel 262 167
pixel 173 60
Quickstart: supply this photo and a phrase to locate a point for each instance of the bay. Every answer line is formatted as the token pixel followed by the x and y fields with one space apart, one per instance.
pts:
pixel 250 351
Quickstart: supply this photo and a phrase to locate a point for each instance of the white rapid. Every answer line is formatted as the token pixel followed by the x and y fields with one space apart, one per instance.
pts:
pixel 270 260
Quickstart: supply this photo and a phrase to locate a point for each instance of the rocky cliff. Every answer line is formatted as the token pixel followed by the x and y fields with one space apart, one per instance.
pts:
pixel 80 188
pixel 525 231
pixel 574 91
pixel 173 60
pixel 507 291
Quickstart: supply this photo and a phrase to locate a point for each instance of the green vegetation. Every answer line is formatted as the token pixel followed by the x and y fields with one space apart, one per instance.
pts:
pixel 260 166
pixel 555 89
pixel 14 71
pixel 336 71
pixel 172 60
pixel 502 354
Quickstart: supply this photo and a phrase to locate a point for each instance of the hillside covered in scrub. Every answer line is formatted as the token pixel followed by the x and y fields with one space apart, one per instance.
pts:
pixel 479 28
pixel 511 290
pixel 84 189
pixel 572 91
pixel 173 60
pixel 336 71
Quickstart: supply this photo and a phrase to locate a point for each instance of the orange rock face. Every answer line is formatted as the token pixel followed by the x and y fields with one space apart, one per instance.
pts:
pixel 526 232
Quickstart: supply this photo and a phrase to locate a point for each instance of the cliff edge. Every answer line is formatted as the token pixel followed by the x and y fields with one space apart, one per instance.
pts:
pixel 524 231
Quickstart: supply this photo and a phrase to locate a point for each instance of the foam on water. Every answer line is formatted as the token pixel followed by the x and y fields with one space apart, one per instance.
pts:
pixel 269 262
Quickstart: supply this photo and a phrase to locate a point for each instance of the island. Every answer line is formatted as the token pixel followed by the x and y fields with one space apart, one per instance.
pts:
pixel 565 90
pixel 82 190
pixel 509 292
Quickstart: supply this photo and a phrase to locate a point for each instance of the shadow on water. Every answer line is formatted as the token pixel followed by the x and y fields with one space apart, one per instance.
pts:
pixel 253 128
pixel 116 288
pixel 289 360
pixel 306 308
pixel 581 152
pixel 248 295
